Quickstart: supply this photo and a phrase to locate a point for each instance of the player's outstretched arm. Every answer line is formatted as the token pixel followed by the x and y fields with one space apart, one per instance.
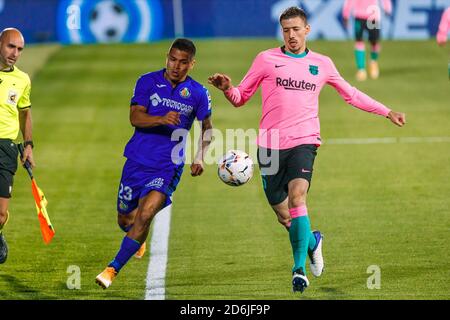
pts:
pixel 203 144
pixel 397 118
pixel 223 82
pixel 220 81
pixel 141 119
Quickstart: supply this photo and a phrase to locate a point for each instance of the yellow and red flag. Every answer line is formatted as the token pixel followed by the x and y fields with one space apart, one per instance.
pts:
pixel 41 207
pixel 41 203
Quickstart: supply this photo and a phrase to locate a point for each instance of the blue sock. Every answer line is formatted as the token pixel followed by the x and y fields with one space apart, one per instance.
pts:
pixel 127 228
pixel 127 249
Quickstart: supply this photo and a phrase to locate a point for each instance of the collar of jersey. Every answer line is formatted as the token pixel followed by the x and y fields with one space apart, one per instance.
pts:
pixel 293 55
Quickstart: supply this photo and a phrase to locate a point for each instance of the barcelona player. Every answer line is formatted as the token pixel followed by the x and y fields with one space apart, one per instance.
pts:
pixel 292 77
pixel 367 19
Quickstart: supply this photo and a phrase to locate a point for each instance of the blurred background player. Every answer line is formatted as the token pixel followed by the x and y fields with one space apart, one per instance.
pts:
pixel 163 101
pixel 15 114
pixel 444 28
pixel 291 78
pixel 367 16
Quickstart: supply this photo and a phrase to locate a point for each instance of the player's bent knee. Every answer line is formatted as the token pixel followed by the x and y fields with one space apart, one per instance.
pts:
pixel 125 222
pixel 147 212
pixel 3 216
pixel 297 201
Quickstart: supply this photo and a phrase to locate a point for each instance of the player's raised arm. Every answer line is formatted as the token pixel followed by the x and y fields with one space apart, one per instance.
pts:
pixel 223 82
pixel 360 100
pixel 220 81
pixel 239 95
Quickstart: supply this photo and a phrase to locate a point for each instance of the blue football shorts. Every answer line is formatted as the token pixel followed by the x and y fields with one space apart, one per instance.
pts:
pixel 138 180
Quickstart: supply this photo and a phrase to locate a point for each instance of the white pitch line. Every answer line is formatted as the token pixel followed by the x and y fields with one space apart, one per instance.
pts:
pixel 155 288
pixel 387 140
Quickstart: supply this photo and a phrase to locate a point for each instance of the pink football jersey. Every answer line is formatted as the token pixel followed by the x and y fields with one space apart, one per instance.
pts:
pixel 365 9
pixel 290 96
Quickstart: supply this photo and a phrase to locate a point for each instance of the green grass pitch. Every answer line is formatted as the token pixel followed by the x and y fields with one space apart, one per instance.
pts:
pixel 377 204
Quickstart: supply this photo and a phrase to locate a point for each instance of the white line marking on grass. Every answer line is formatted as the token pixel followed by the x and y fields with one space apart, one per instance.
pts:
pixel 387 140
pixel 155 288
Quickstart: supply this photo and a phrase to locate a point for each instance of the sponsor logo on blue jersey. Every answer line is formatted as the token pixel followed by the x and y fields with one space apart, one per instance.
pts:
pixel 185 93
pixel 155 183
pixel 155 99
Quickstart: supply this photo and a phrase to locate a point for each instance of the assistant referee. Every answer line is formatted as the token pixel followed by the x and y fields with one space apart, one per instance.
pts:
pixel 15 114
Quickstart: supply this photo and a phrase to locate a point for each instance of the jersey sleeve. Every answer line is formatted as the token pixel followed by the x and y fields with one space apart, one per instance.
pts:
pixel 387 6
pixel 25 99
pixel 239 95
pixel 444 27
pixel 140 95
pixel 204 109
pixel 347 9
pixel 353 96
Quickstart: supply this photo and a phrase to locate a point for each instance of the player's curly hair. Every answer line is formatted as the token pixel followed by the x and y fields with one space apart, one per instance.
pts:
pixel 293 12
pixel 185 45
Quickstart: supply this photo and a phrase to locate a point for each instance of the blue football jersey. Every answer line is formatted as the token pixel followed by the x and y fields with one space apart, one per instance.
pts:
pixel 160 146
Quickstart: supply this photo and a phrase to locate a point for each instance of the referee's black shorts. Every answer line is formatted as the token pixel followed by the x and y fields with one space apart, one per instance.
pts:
pixel 8 166
pixel 277 170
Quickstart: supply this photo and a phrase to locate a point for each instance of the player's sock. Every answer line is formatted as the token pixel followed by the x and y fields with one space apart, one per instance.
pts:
pixel 375 52
pixel 127 249
pixel 299 235
pixel 125 228
pixel 360 55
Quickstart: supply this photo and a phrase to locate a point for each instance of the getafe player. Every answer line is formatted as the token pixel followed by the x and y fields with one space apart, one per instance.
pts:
pixel 163 101
pixel 291 78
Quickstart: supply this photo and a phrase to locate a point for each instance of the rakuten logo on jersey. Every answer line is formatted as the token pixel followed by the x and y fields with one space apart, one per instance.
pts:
pixel 291 84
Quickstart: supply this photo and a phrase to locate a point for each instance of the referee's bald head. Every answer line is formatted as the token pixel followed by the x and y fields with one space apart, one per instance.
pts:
pixel 11 32
pixel 11 46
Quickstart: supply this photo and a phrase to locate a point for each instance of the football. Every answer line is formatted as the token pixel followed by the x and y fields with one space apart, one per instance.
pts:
pixel 235 168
